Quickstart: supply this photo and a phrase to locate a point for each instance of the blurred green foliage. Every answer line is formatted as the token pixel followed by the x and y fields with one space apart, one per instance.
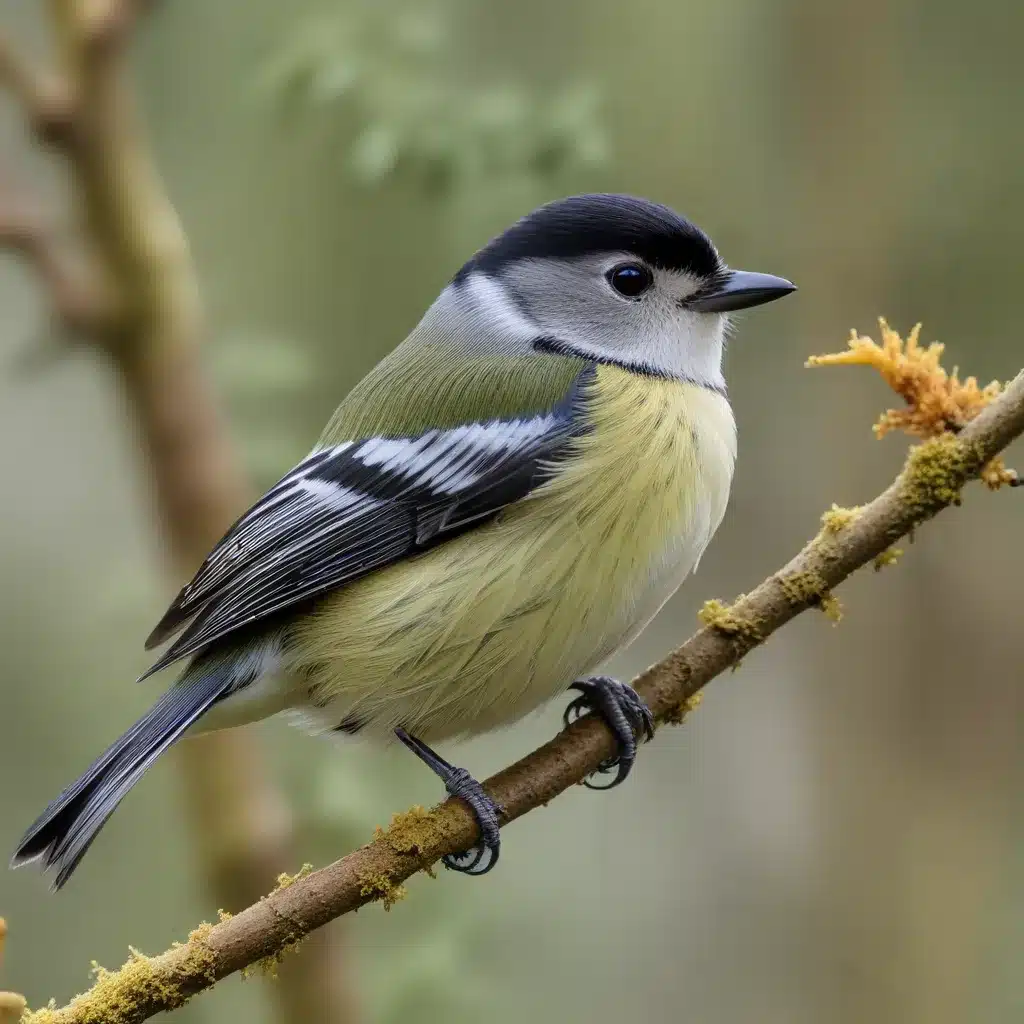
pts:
pixel 253 372
pixel 390 69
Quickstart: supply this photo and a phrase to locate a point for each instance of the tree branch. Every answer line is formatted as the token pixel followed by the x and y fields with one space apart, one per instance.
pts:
pixel 80 304
pixel 932 479
pixel 45 100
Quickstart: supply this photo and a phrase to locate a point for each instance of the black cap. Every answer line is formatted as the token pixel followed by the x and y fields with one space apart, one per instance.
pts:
pixel 586 224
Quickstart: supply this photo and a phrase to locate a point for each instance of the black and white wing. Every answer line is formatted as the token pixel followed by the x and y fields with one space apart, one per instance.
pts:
pixel 356 507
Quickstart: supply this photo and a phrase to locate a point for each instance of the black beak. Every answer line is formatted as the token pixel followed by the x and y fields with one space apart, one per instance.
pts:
pixel 740 289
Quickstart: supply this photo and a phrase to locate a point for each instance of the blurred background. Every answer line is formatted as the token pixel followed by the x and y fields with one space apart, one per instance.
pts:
pixel 836 833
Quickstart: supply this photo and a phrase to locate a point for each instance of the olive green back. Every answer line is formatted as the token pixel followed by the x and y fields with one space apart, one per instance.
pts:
pixel 421 386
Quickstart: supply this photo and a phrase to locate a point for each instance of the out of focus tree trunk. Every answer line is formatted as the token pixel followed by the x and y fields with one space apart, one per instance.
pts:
pixel 134 297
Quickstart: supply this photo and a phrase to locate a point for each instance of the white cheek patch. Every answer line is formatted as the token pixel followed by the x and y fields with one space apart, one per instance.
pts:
pixel 489 300
pixel 573 310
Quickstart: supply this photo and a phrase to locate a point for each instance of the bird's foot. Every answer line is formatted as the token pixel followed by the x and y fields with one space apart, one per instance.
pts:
pixel 478 859
pixel 619 706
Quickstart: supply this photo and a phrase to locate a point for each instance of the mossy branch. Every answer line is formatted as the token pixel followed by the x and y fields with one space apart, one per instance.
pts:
pixel 933 478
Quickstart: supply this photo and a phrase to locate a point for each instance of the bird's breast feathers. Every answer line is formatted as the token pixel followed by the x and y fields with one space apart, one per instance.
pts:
pixel 492 623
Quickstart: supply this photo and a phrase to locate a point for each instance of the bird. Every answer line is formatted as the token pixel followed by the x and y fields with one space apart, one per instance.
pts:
pixel 499 506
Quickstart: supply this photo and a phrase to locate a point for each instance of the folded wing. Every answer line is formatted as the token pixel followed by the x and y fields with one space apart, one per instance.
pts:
pixel 358 506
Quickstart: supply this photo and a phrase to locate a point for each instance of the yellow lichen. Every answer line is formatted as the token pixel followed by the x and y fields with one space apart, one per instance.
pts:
pixel 996 474
pixel 678 714
pixel 721 616
pixel 380 888
pixel 267 966
pixel 838 518
pixel 116 997
pixel 935 473
pixel 937 401
pixel 890 556
pixel 200 958
pixel 411 832
pixel 810 589
pixel 803 588
pixel 830 606
pixel 284 879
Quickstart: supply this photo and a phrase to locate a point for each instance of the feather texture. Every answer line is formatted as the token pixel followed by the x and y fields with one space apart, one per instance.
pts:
pixel 355 506
pixel 64 832
pixel 478 633
pixel 432 381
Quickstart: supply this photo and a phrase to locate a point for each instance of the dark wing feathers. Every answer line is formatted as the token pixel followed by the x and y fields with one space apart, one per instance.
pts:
pixel 356 507
pixel 254 532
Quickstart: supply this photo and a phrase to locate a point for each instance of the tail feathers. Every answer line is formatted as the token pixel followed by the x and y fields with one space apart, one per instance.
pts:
pixel 65 830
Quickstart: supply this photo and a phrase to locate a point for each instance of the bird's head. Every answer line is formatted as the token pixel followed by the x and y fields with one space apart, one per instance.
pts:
pixel 612 278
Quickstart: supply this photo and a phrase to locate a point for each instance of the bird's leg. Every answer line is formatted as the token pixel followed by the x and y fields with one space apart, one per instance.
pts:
pixel 619 706
pixel 478 859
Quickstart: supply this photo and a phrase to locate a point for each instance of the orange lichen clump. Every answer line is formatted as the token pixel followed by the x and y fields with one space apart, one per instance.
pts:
pixel 937 401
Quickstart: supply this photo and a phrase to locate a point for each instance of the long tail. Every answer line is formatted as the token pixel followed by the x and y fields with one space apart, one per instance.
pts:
pixel 65 830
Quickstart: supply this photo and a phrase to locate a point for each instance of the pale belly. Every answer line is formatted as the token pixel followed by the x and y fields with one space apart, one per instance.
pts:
pixel 443 662
pixel 482 630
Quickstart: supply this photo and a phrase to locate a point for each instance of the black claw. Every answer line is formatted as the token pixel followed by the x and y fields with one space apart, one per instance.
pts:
pixel 622 710
pixel 478 859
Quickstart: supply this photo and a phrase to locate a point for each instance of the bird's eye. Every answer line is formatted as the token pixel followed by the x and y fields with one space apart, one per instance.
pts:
pixel 630 279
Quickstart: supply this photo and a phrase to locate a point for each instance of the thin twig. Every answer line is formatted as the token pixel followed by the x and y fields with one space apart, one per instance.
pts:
pixel 45 100
pixel 933 478
pixel 82 306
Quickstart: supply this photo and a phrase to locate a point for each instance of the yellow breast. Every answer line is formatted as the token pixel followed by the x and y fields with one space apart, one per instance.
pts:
pixel 484 628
